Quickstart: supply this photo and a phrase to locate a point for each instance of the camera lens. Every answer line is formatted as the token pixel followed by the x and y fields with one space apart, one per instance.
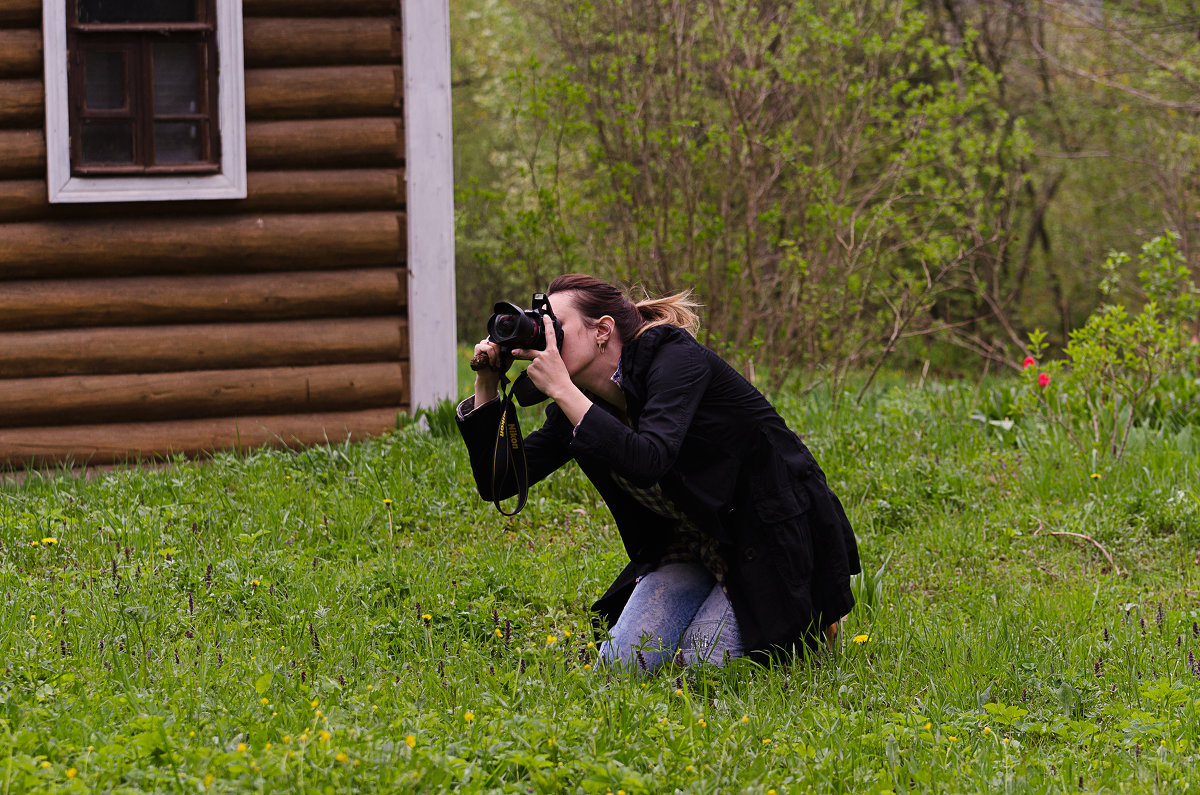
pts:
pixel 506 325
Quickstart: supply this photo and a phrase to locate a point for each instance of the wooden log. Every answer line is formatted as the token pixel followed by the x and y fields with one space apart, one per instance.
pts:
pixel 22 199
pixel 327 143
pixel 316 8
pixel 127 442
pixel 322 92
pixel 156 349
pixel 71 400
pixel 269 191
pixel 28 13
pixel 22 153
pixel 83 303
pixel 313 42
pixel 22 103
pixel 21 13
pixel 20 53
pixel 358 189
pixel 330 143
pixel 118 247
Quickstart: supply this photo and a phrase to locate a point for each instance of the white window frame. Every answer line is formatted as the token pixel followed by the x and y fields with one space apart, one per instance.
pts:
pixel 229 183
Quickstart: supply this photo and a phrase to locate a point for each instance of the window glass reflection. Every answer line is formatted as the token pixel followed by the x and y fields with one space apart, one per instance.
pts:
pixel 109 143
pixel 113 11
pixel 104 80
pixel 177 142
pixel 176 78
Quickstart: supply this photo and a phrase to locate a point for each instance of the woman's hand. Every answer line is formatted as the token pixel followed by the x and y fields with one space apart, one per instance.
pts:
pixel 549 373
pixel 487 378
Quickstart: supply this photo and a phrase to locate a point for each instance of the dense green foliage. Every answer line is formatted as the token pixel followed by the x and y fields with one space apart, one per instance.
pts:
pixel 840 181
pixel 353 617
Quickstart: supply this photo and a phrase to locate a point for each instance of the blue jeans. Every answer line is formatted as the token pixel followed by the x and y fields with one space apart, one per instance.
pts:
pixel 677 608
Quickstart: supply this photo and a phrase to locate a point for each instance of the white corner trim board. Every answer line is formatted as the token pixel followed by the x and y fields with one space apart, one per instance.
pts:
pixel 429 167
pixel 230 183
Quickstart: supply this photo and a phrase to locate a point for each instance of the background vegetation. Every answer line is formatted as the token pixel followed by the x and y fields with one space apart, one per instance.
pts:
pixel 840 181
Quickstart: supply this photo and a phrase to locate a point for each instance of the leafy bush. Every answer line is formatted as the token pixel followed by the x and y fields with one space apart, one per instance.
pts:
pixel 1120 367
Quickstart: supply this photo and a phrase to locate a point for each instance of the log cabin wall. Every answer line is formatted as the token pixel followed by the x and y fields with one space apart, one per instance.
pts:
pixel 139 330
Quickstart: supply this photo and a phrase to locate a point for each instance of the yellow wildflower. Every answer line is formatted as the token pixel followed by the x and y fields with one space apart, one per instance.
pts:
pixel 324 735
pixel 287 738
pixel 340 756
pixel 861 638
pixel 551 640
pixel 499 632
pixel 387 501
pixel 72 772
pixel 45 764
pixel 241 749
pixel 49 541
pixel 314 703
pixel 208 780
pixel 745 719
pixel 264 700
pixel 952 739
pixel 702 722
pixel 411 741
pixel 426 618
pixel 468 716
pixel 566 633
pixel 1095 476
pixel 987 729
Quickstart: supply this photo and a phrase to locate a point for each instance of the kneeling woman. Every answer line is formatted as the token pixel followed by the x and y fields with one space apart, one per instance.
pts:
pixel 736 544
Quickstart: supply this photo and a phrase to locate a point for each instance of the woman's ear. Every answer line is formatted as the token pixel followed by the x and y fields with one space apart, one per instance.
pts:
pixel 604 329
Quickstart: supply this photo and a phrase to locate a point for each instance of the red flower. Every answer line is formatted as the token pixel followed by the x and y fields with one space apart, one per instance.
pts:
pixel 1044 380
pixel 1029 362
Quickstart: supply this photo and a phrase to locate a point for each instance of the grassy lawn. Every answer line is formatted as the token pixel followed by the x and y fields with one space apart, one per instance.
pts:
pixel 353 617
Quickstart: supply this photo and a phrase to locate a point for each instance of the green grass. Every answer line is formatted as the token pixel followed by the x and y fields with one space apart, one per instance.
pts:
pixel 271 622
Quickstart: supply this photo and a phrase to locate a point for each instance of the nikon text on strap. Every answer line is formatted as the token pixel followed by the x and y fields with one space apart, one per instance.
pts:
pixel 509 452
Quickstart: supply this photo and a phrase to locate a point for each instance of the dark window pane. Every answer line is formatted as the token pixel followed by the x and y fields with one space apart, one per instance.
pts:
pixel 177 142
pixel 176 78
pixel 137 11
pixel 104 79
pixel 107 143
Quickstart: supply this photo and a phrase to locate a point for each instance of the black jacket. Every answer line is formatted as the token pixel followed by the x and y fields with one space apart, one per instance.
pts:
pixel 723 454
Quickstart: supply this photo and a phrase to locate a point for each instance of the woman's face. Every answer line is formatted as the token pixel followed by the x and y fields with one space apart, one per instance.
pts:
pixel 579 348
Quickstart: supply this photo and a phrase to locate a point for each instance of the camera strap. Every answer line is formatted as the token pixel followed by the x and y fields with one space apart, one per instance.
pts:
pixel 509 452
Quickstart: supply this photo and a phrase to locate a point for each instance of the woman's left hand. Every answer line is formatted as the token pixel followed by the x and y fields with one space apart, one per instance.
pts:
pixel 546 368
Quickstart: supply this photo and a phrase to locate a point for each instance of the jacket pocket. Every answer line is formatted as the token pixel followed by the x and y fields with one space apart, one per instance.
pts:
pixel 782 533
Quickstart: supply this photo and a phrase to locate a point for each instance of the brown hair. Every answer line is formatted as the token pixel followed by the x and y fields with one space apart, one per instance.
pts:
pixel 596 298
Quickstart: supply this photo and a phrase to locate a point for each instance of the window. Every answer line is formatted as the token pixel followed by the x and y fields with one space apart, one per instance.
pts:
pixel 144 100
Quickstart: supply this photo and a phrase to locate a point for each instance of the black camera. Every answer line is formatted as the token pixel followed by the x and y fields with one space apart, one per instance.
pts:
pixel 511 327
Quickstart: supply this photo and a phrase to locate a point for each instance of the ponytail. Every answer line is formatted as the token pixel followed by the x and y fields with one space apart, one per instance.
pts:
pixel 672 310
